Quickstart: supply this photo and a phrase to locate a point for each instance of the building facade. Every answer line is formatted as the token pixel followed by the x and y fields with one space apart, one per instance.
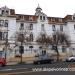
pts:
pixel 31 26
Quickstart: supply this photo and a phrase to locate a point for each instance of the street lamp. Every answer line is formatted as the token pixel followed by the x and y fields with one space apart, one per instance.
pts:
pixel 6 25
pixel 6 43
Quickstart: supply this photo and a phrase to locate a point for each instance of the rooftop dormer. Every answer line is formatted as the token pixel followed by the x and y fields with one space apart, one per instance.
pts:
pixel 4 11
pixel 42 16
pixel 38 10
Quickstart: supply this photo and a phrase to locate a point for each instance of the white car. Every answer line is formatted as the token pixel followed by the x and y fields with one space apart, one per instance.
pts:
pixel 71 59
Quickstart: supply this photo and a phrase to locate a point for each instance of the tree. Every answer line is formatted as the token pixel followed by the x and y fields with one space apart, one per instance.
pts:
pixel 22 39
pixel 60 38
pixel 44 40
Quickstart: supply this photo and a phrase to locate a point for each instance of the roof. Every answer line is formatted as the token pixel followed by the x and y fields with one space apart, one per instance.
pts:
pixel 12 11
pixel 55 20
pixel 52 20
pixel 68 18
pixel 26 17
pixel 34 18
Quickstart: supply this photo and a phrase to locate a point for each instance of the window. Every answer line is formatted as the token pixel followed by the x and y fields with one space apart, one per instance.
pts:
pixel 73 17
pixel 0 35
pixel 42 27
pixel 1 53
pixel 63 49
pixel 7 11
pixel 40 17
pixel 54 37
pixel 74 27
pixel 53 27
pixel 30 18
pixel 1 22
pixel 43 17
pixel 6 23
pixel 54 48
pixel 5 35
pixel 31 27
pixel 21 26
pixel 30 47
pixel 43 52
pixel 2 12
pixel 60 20
pixel 43 36
pixel 53 19
pixel 61 28
pixel 31 37
pixel 40 47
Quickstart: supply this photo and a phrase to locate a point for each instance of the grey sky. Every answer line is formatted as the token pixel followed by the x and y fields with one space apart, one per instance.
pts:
pixel 55 8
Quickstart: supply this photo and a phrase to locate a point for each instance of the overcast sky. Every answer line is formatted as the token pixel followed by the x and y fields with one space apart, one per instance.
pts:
pixel 55 8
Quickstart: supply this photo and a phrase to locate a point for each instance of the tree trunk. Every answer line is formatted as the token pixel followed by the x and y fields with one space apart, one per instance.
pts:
pixel 57 53
pixel 57 56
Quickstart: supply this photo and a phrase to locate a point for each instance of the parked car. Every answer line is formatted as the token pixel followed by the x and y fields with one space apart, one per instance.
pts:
pixel 42 59
pixel 2 59
pixel 70 59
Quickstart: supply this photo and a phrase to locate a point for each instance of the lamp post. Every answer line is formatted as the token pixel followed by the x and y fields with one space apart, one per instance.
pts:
pixel 6 43
pixel 6 36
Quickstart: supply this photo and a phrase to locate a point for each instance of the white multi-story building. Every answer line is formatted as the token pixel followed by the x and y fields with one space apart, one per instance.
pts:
pixel 32 25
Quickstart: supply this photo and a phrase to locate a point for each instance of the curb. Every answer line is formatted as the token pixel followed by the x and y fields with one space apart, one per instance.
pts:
pixel 17 63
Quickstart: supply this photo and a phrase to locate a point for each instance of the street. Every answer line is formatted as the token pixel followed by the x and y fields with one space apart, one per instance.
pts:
pixel 39 73
pixel 28 69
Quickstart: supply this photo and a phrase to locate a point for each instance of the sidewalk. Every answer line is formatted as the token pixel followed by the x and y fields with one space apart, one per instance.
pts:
pixel 12 63
pixel 16 60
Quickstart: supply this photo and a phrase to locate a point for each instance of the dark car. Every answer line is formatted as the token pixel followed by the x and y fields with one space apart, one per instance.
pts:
pixel 43 59
pixel 2 59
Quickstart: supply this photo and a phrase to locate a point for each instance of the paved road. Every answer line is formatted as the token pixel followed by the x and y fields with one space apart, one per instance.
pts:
pixel 47 73
pixel 28 69
pixel 62 64
pixel 23 72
